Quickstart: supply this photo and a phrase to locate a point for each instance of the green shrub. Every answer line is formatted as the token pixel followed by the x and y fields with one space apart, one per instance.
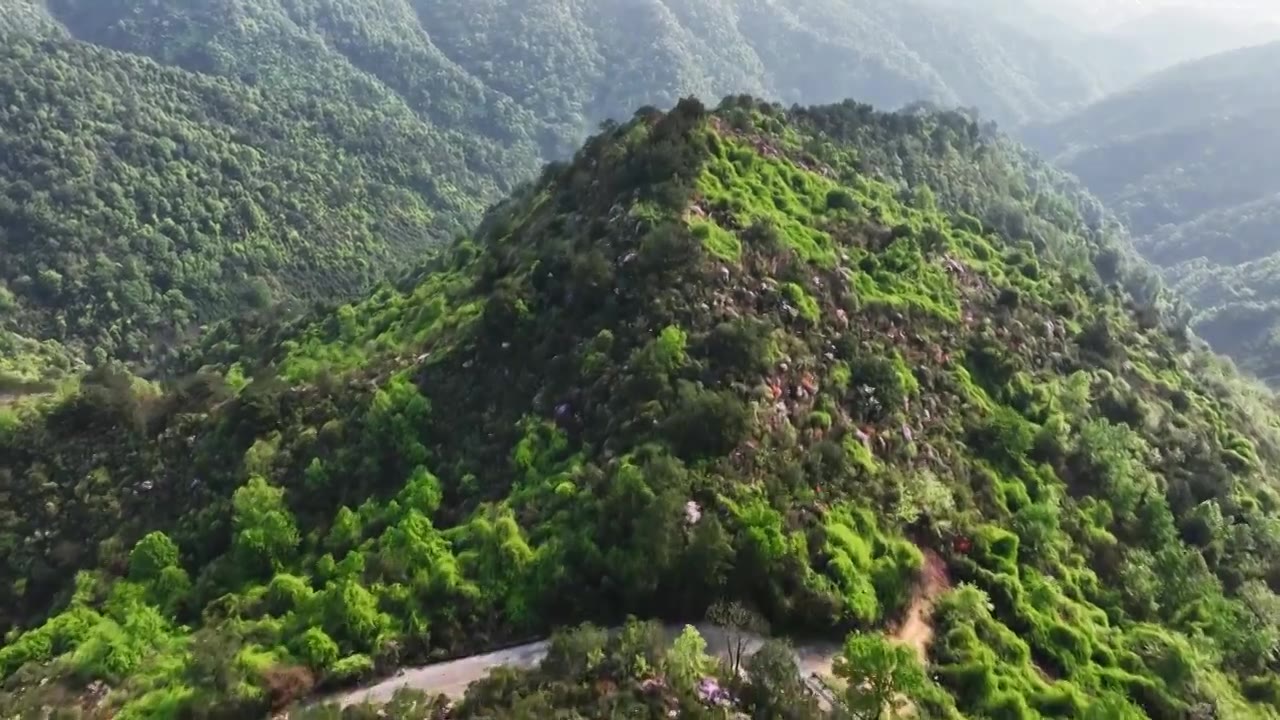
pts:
pixel 287 593
pixel 320 652
pixel 352 668
pixel 819 419
pixel 716 240
pixel 705 423
pixel 803 302
pixel 152 554
pixel 996 549
pixel 841 199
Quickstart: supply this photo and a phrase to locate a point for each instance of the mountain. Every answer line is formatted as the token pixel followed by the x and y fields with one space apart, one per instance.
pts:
pixel 778 357
pixel 174 163
pixel 1186 158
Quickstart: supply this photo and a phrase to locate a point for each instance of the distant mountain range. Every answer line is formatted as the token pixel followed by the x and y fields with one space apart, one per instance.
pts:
pixel 1188 158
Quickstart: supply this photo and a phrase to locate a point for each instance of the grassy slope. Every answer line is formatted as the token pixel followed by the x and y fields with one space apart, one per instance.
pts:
pixel 765 313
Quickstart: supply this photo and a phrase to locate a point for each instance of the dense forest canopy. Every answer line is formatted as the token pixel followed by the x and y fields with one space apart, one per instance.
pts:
pixel 171 163
pixel 783 358
pixel 308 373
pixel 1188 159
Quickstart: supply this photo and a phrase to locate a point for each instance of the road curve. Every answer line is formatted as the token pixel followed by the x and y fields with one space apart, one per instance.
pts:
pixel 814 659
pixel 452 678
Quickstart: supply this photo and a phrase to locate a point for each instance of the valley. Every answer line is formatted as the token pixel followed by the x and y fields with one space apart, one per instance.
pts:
pixel 1186 160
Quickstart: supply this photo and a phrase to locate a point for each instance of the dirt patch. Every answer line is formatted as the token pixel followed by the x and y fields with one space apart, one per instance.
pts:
pixel 8 399
pixel 916 630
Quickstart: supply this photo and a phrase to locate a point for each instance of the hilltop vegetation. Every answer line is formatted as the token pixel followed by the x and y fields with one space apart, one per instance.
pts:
pixel 174 163
pixel 751 354
pixel 1186 159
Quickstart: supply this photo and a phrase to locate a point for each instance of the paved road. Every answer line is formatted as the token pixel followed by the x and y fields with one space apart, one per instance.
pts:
pixel 452 678
pixel 447 678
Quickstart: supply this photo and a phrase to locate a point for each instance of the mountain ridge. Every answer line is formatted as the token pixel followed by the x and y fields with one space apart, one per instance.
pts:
pixel 414 114
pixel 740 353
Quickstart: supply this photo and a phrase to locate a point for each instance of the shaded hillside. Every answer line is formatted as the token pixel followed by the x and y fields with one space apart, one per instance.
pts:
pixel 1119 42
pixel 138 201
pixel 1187 159
pixel 746 354
pixel 575 63
pixel 886 53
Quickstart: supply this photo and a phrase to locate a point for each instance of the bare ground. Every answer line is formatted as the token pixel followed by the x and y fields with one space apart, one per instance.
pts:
pixel 917 628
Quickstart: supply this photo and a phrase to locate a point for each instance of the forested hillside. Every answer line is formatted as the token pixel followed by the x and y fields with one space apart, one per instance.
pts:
pixel 772 356
pixel 1188 160
pixel 1114 14
pixel 138 201
pixel 172 163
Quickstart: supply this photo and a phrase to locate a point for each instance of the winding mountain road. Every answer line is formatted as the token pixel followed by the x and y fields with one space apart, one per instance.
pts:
pixel 814 659
pixel 452 678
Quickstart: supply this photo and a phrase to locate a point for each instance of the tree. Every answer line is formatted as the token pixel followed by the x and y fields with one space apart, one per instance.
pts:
pixel 638 649
pixel 687 661
pixel 266 534
pixel 495 554
pixel 575 655
pixel 154 564
pixel 882 676
pixel 212 666
pixel 346 531
pixel 776 689
pixel 706 563
pixel 316 648
pixel 151 555
pixel 350 614
pixel 739 623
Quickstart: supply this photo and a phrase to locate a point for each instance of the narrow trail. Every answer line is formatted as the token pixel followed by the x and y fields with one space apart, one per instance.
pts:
pixel 917 629
pixel 13 397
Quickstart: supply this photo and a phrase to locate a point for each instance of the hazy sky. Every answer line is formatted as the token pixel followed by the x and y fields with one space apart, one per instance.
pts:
pixel 1130 9
pixel 1100 14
